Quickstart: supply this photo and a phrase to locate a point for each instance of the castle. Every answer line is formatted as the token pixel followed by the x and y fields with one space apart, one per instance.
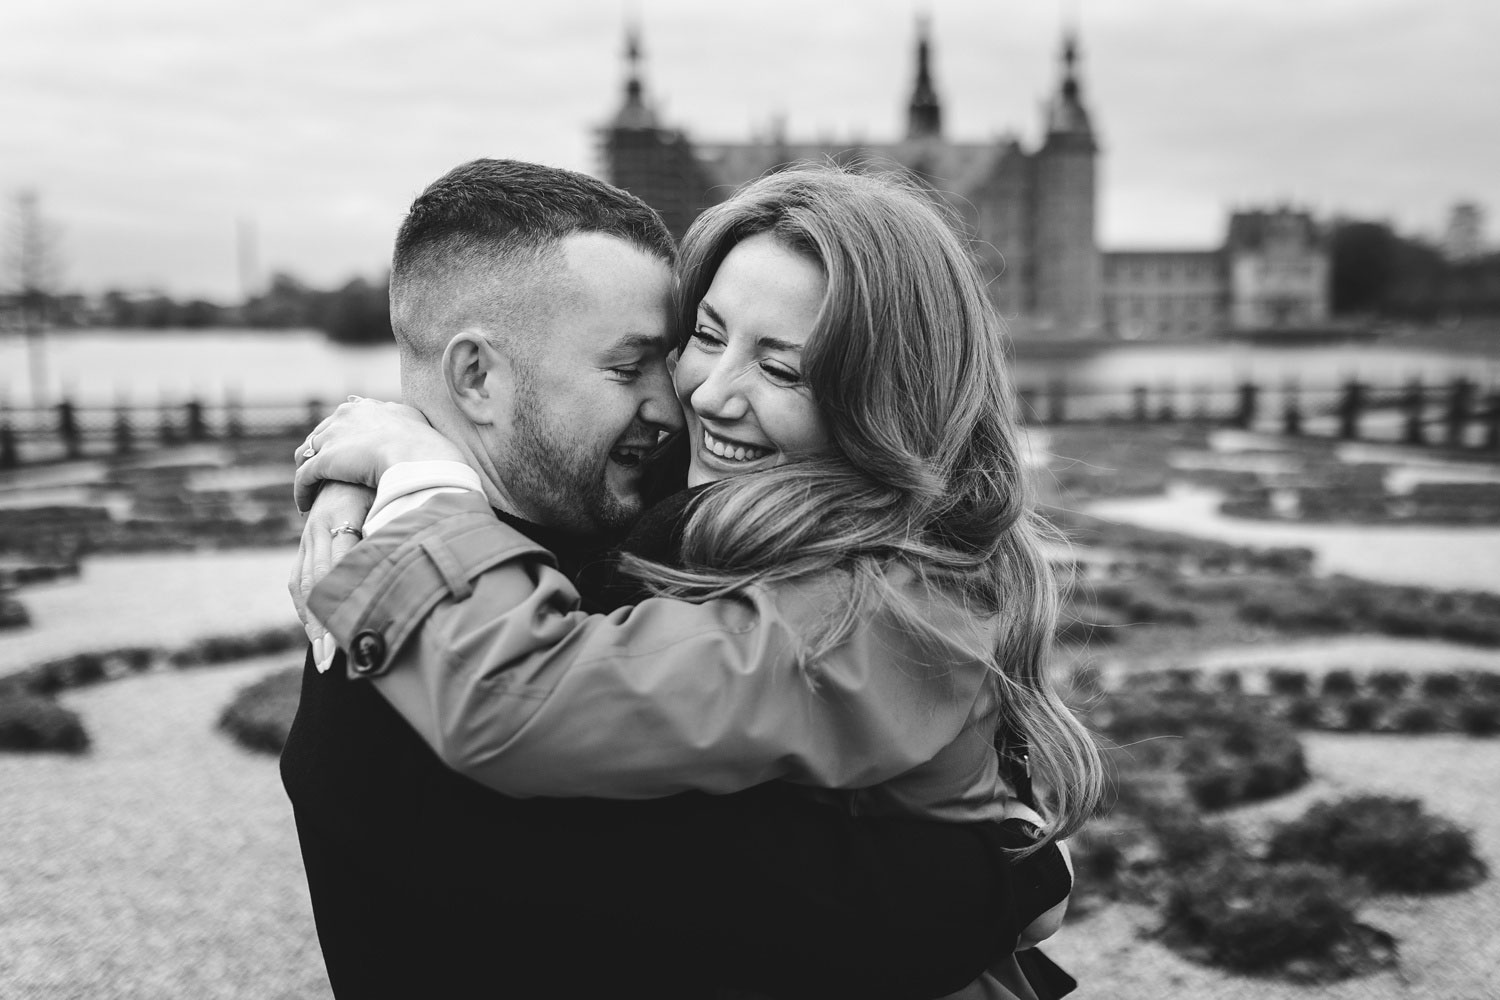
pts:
pixel 1030 211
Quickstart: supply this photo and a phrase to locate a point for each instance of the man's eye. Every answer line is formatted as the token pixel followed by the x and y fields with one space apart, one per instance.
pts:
pixel 627 374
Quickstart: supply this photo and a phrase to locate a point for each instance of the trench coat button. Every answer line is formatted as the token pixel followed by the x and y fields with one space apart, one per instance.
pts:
pixel 367 653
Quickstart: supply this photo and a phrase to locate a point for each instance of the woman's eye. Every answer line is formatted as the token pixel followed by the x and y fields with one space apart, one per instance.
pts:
pixel 780 375
pixel 705 338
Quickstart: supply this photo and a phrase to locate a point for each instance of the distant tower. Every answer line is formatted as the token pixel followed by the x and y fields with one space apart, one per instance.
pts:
pixel 655 164
pixel 1464 239
pixel 247 259
pixel 1066 288
pixel 924 115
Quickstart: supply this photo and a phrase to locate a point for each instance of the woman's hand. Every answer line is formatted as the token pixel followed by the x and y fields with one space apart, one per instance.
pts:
pixel 325 540
pixel 360 440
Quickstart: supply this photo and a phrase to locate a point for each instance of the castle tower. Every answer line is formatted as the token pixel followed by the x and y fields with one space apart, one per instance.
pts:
pixel 924 115
pixel 1066 277
pixel 654 163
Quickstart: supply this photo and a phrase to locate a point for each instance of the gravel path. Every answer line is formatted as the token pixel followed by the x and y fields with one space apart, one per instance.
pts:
pixel 162 865
pixel 1449 945
pixel 152 599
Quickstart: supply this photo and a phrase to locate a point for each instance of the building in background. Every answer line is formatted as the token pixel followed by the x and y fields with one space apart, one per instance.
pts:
pixel 1030 209
pixel 1464 239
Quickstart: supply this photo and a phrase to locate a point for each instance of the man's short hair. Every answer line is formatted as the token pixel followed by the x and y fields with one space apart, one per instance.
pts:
pixel 499 216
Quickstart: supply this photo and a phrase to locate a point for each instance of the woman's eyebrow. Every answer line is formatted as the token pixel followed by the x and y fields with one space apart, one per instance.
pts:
pixel 773 344
pixel 707 308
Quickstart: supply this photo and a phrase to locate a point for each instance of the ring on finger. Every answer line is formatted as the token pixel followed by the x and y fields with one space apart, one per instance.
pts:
pixel 345 529
pixel 309 449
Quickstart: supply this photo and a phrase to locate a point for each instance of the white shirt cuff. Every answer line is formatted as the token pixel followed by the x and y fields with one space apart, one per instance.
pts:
pixel 407 485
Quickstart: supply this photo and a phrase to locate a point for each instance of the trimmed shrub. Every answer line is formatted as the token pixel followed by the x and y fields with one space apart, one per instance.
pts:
pixel 1442 685
pixel 1390 683
pixel 1361 714
pixel 1305 712
pixel 1255 918
pixel 1480 718
pixel 261 714
pixel 1389 842
pixel 229 648
pixel 1487 683
pixel 13 613
pixel 1419 718
pixel 1287 681
pixel 1184 838
pixel 28 722
pixel 1230 680
pixel 1227 748
pixel 1340 683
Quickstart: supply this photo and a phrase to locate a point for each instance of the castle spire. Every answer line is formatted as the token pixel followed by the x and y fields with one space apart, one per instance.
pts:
pixel 1066 114
pixel 924 115
pixel 634 113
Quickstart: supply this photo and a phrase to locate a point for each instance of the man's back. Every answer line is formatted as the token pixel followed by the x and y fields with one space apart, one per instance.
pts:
pixel 424 883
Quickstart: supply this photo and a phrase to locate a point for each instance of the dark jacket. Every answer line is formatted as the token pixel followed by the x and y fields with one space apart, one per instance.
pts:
pixel 423 883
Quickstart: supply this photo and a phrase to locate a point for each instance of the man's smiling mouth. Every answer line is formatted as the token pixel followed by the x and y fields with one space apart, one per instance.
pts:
pixel 630 455
pixel 731 451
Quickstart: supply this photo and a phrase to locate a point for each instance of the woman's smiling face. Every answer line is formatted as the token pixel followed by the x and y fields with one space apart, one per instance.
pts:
pixel 740 376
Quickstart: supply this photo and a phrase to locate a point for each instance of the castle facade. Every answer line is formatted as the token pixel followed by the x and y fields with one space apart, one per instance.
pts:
pixel 1030 211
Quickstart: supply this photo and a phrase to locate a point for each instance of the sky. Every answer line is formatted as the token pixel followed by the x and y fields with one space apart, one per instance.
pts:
pixel 150 129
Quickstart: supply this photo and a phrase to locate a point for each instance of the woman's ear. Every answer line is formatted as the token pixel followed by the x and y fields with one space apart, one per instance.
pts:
pixel 479 378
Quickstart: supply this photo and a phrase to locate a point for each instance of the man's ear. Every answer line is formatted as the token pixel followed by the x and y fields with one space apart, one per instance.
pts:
pixel 480 379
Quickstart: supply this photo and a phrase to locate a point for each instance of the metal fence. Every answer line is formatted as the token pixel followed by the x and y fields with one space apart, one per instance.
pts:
pixel 69 431
pixel 1459 415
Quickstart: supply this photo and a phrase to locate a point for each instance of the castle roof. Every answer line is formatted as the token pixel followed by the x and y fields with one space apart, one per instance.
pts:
pixel 955 166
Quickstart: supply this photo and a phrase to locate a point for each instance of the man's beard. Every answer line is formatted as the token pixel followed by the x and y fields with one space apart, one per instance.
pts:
pixel 561 477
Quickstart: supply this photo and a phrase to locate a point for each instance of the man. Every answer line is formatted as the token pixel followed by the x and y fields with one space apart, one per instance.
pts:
pixel 531 306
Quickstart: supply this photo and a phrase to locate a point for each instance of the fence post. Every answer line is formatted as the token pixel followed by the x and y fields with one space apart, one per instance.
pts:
pixel 1057 401
pixel 1414 404
pixel 1492 422
pixel 124 442
pixel 1249 402
pixel 1139 394
pixel 1351 409
pixel 1291 409
pixel 10 456
pixel 196 429
pixel 166 431
pixel 67 428
pixel 234 420
pixel 1460 405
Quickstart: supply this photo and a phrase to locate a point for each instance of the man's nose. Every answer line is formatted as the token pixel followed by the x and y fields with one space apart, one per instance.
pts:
pixel 660 408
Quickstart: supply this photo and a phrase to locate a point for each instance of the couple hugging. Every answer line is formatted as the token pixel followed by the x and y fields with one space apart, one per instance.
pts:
pixel 696 643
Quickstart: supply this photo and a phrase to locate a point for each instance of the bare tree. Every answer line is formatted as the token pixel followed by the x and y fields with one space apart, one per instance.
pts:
pixel 34 266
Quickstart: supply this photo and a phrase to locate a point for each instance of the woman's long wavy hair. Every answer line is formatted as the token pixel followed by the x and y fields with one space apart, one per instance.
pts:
pixel 908 364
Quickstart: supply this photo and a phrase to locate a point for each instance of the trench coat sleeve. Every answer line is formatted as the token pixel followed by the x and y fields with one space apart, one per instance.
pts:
pixel 491 663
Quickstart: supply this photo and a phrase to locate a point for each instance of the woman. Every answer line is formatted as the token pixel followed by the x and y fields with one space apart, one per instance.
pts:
pixel 858 483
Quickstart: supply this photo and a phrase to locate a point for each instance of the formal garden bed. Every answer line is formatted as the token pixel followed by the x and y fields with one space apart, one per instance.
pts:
pixel 32 719
pixel 1288 904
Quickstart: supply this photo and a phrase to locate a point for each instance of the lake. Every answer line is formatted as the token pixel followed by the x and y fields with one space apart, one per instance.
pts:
pixel 100 367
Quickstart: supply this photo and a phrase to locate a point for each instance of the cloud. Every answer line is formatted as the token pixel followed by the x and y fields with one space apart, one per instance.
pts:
pixel 149 128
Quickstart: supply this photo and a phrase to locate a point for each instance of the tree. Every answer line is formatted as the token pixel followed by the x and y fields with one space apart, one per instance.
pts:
pixel 34 263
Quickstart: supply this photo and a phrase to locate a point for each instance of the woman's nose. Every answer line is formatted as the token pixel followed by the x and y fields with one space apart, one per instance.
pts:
pixel 719 396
